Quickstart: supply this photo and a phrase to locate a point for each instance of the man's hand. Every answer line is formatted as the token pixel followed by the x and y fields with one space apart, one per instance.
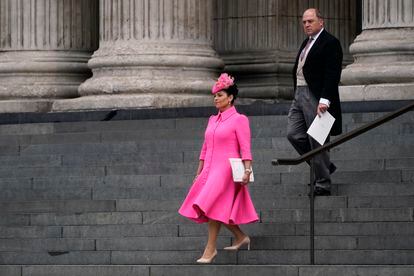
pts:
pixel 321 109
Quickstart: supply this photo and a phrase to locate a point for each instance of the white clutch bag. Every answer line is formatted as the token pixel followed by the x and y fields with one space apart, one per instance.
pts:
pixel 237 169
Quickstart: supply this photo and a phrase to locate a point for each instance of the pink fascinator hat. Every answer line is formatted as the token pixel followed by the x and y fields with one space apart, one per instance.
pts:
pixel 223 82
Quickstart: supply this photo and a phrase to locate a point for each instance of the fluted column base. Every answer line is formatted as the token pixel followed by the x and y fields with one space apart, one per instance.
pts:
pixel 149 73
pixel 383 67
pixel 381 56
pixel 42 74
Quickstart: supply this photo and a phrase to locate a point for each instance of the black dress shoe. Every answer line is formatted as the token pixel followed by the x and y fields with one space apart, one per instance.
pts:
pixel 332 169
pixel 321 192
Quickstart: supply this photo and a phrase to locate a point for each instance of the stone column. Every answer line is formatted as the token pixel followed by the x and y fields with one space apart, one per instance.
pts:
pixel 152 53
pixel 44 49
pixel 259 39
pixel 384 53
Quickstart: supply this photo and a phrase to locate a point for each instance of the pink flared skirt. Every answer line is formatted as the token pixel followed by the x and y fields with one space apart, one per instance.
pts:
pixel 214 196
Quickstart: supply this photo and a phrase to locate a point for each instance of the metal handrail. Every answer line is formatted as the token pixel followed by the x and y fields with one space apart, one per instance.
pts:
pixel 340 140
pixel 343 138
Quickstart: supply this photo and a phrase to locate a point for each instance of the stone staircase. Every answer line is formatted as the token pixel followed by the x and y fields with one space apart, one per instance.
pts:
pixel 101 198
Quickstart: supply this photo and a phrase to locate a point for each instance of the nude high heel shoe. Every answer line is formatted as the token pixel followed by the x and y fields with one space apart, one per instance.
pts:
pixel 246 240
pixel 207 260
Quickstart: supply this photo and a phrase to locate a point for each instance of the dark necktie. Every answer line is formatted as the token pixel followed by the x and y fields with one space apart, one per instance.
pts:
pixel 303 54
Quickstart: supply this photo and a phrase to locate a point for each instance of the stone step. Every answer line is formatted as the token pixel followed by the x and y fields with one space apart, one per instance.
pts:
pixel 46 194
pixel 289 189
pixel 333 242
pixel 47 245
pixel 110 181
pixel 288 202
pixel 188 168
pixel 108 244
pixel 56 258
pixel 100 191
pixel 35 172
pixel 404 126
pixel 243 257
pixel 10 232
pixel 289 183
pixel 267 192
pixel 321 229
pixel 109 135
pixel 58 206
pixel 172 217
pixel 259 155
pixel 197 243
pixel 374 189
pixel 90 231
pixel 134 205
pixel 349 119
pixel 337 153
pixel 367 257
pixel 98 154
pixel 379 176
pixel 340 215
pixel 177 162
pixel 95 218
pixel 71 207
pixel 191 230
pixel 349 171
pixel 218 270
pixel 96 126
pixel 300 215
pixel 78 159
pixel 191 144
pixel 34 178
pixel 389 158
pixel 159 164
pixel 401 124
pixel 42 139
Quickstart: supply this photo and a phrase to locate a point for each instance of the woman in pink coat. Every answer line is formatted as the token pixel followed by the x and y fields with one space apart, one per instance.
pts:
pixel 214 197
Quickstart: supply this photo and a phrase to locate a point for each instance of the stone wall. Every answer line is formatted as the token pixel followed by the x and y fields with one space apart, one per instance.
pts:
pixel 167 53
pixel 259 39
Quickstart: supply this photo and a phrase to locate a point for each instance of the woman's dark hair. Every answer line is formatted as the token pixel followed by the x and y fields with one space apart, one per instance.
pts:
pixel 232 90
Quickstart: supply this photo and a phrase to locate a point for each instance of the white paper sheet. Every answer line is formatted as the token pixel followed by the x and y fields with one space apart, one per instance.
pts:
pixel 321 126
pixel 237 168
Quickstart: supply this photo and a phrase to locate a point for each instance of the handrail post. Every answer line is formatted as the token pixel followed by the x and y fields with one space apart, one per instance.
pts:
pixel 312 214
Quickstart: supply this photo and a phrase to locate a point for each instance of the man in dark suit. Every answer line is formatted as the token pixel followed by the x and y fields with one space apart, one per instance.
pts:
pixel 316 76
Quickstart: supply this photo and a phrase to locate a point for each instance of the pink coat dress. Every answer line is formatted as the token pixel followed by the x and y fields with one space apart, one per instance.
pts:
pixel 214 195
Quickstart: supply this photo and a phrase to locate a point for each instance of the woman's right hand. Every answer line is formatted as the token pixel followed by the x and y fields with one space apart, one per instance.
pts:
pixel 246 178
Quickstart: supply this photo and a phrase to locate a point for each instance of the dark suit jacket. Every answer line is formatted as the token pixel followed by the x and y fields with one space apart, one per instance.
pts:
pixel 322 72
